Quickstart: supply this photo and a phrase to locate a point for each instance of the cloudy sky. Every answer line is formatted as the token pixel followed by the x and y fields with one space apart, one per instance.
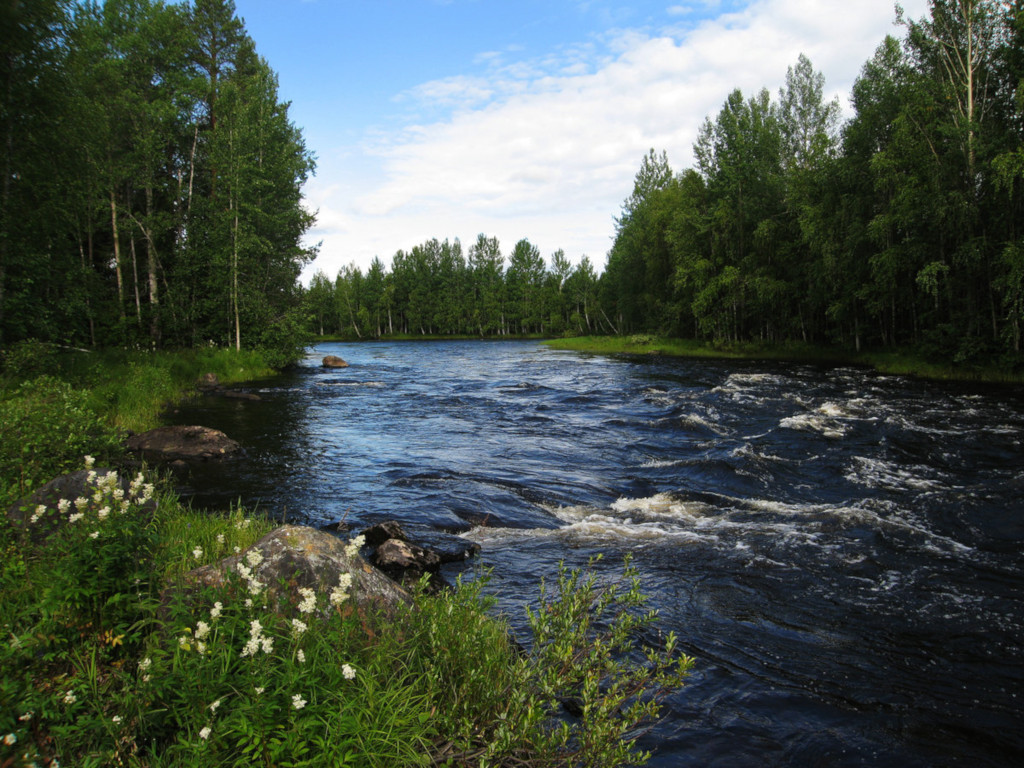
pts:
pixel 523 118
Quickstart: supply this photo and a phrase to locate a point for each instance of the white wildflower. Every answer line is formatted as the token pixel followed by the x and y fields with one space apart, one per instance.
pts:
pixel 308 604
pixel 97 497
pixel 116 718
pixel 213 707
pixel 244 571
pixel 183 642
pixel 238 550
pixel 103 513
pixel 248 602
pixel 202 630
pixel 254 557
pixel 70 698
pixel 301 656
pixel 118 494
pixel 94 535
pixel 260 690
pixel 205 732
pixel 298 702
pixel 217 608
pixel 200 646
pixel 145 664
pixel 81 503
pixel 26 717
pixel 340 593
pixel 267 644
pixel 197 552
pixel 255 587
pixel 220 538
pixel 353 547
pixel 76 517
pixel 89 461
pixel 64 505
pixel 243 524
pixel 255 628
pixel 251 646
pixel 10 739
pixel 348 672
pixel 299 626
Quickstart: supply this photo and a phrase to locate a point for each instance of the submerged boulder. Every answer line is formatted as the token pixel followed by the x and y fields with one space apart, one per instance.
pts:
pixel 187 443
pixel 295 556
pixel 333 361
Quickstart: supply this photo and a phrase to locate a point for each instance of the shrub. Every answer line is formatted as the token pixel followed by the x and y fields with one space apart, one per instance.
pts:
pixel 103 673
pixel 48 427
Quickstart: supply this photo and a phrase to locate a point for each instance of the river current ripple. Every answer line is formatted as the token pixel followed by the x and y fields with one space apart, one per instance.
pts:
pixel 841 551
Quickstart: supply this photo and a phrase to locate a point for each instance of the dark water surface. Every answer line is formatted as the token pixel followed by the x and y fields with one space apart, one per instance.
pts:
pixel 841 551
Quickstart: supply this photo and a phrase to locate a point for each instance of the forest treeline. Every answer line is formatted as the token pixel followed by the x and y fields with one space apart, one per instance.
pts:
pixel 151 191
pixel 902 227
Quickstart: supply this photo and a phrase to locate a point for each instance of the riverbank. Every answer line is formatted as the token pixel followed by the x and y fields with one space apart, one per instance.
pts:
pixel 884 361
pixel 113 657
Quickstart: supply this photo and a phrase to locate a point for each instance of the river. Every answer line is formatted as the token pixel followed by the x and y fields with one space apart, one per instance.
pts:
pixel 841 551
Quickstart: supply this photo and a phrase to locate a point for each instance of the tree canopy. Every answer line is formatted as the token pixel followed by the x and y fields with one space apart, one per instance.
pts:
pixel 152 178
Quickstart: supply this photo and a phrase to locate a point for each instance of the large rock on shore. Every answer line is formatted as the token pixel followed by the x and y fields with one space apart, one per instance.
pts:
pixel 295 556
pixel 38 516
pixel 184 443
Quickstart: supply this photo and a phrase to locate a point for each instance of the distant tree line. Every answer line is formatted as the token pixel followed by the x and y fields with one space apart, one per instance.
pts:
pixel 436 289
pixel 151 178
pixel 903 227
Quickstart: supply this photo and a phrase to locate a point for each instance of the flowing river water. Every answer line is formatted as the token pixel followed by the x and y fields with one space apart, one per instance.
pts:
pixel 841 551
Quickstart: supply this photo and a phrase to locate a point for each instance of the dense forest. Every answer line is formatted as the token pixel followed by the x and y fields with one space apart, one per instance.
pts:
pixel 151 197
pixel 902 227
pixel 151 190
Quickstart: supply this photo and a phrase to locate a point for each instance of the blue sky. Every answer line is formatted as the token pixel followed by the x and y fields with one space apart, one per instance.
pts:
pixel 448 118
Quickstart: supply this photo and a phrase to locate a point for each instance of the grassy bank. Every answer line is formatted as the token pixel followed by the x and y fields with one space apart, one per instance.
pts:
pixel 890 362
pixel 108 659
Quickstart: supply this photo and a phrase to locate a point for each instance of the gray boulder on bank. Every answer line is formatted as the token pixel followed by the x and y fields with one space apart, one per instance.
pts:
pixel 70 486
pixel 186 443
pixel 295 556
pixel 333 361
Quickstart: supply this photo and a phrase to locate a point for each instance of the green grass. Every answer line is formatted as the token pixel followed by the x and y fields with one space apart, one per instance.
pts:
pixel 889 362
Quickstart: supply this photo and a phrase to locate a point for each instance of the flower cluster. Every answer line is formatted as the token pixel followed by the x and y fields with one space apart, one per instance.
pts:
pixel 254 557
pixel 107 498
pixel 340 593
pixel 257 640
pixel 356 544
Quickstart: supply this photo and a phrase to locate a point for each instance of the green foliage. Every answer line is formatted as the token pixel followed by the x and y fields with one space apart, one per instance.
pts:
pixel 899 230
pixel 48 427
pixel 112 106
pixel 110 663
pixel 284 340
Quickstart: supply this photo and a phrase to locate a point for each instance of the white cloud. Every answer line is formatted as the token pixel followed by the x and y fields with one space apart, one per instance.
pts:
pixel 548 149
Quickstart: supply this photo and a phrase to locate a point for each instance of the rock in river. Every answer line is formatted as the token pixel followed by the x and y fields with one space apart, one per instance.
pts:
pixel 188 443
pixel 333 361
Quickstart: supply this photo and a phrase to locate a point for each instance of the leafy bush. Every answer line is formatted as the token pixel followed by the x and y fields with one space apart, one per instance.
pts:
pixel 47 428
pixel 284 340
pixel 104 673
pixel 29 358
